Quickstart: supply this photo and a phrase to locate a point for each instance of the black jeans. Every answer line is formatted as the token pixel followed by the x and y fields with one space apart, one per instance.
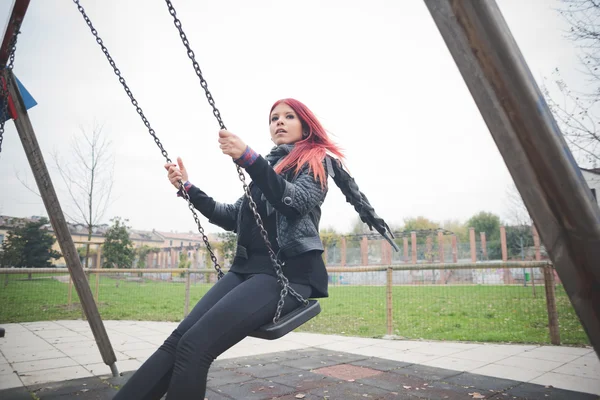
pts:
pixel 234 307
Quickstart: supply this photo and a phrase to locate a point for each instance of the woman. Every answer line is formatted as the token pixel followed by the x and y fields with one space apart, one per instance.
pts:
pixel 288 186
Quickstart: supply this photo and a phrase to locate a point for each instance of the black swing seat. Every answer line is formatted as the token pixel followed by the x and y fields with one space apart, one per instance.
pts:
pixel 288 322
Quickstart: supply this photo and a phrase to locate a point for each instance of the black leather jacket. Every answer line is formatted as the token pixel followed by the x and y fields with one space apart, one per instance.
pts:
pixel 295 198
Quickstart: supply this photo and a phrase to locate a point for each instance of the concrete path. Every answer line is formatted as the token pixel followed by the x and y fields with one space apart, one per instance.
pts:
pixel 37 354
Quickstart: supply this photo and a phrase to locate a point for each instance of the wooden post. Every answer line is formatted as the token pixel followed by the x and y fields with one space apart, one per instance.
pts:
pixel 405 249
pixel 343 250
pixel 59 224
pixel 538 254
pixel 506 272
pixel 454 249
pixel 186 308
pixel 70 300
pixel 551 306
pixel 413 242
pixel 473 245
pixel 364 251
pixel 389 302
pixel 97 294
pixel 484 254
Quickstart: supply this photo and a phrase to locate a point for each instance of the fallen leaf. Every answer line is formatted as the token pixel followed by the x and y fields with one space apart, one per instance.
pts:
pixel 477 395
pixel 406 387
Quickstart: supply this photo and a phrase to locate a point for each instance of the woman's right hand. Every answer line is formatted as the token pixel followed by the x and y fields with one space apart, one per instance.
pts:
pixel 176 174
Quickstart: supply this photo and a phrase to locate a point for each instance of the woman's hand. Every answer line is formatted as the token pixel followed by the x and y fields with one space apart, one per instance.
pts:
pixel 231 145
pixel 176 174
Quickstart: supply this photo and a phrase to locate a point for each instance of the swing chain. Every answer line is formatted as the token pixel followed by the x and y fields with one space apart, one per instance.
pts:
pixel 5 89
pixel 182 190
pixel 286 288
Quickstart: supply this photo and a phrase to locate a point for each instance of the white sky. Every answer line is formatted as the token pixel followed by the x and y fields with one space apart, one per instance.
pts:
pixel 377 73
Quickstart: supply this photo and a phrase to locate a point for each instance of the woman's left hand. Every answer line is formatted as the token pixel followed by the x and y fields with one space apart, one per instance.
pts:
pixel 231 144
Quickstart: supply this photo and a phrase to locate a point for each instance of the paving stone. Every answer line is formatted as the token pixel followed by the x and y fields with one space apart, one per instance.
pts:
pixel 215 395
pixel 258 389
pixel 442 390
pixel 425 372
pixel 324 360
pixel 267 370
pixel 531 391
pixel 225 377
pixel 352 390
pixel 393 382
pixel 85 388
pixel 347 372
pixel 304 381
pixel 19 393
pixel 481 382
pixel 380 364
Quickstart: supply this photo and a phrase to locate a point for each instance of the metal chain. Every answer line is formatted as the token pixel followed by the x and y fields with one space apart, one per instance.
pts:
pixel 5 93
pixel 152 133
pixel 276 265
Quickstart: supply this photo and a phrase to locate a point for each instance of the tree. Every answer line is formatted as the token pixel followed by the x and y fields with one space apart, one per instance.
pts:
pixel 228 245
pixel 117 248
pixel 419 223
pixel 184 262
pixel 577 112
pixel 88 178
pixel 518 234
pixel 29 246
pixel 142 253
pixel 458 228
pixel 490 224
pixel 486 222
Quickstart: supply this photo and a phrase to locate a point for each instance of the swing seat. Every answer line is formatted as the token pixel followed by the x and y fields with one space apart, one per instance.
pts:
pixel 288 322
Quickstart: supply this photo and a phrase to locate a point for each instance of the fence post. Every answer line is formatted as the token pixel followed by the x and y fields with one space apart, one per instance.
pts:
pixel 551 306
pixel 69 303
pixel 454 249
pixel 405 249
pixel 364 251
pixel 484 255
pixel 389 303
pixel 473 245
pixel 538 254
pixel 429 248
pixel 441 246
pixel 97 293
pixel 507 274
pixel 186 308
pixel 413 241
pixel 343 250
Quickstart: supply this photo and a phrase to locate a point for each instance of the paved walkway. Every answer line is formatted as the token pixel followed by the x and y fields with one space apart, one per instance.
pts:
pixel 50 354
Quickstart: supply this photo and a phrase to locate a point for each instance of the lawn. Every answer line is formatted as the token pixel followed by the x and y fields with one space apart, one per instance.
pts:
pixel 508 314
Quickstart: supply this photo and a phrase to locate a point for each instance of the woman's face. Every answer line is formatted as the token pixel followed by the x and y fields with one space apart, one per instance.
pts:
pixel 285 126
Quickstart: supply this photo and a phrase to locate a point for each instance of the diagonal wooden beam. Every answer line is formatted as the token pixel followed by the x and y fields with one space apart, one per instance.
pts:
pixel 532 145
pixel 14 24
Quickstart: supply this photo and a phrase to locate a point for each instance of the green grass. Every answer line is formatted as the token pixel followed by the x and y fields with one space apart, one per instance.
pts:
pixel 509 314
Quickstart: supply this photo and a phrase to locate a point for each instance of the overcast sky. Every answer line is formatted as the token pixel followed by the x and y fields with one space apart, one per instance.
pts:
pixel 377 73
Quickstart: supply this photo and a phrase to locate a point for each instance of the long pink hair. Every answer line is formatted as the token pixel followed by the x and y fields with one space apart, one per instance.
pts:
pixel 311 150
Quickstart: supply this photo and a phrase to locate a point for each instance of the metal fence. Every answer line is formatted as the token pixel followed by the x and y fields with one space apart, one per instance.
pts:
pixel 487 302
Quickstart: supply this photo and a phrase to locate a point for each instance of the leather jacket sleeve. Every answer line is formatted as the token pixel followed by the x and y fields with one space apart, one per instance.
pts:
pixel 291 199
pixel 220 214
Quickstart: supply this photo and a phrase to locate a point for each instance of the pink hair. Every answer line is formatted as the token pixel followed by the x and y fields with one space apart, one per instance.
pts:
pixel 311 150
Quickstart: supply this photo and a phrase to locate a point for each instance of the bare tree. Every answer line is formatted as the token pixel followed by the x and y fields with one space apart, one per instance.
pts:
pixel 515 212
pixel 88 178
pixel 577 111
